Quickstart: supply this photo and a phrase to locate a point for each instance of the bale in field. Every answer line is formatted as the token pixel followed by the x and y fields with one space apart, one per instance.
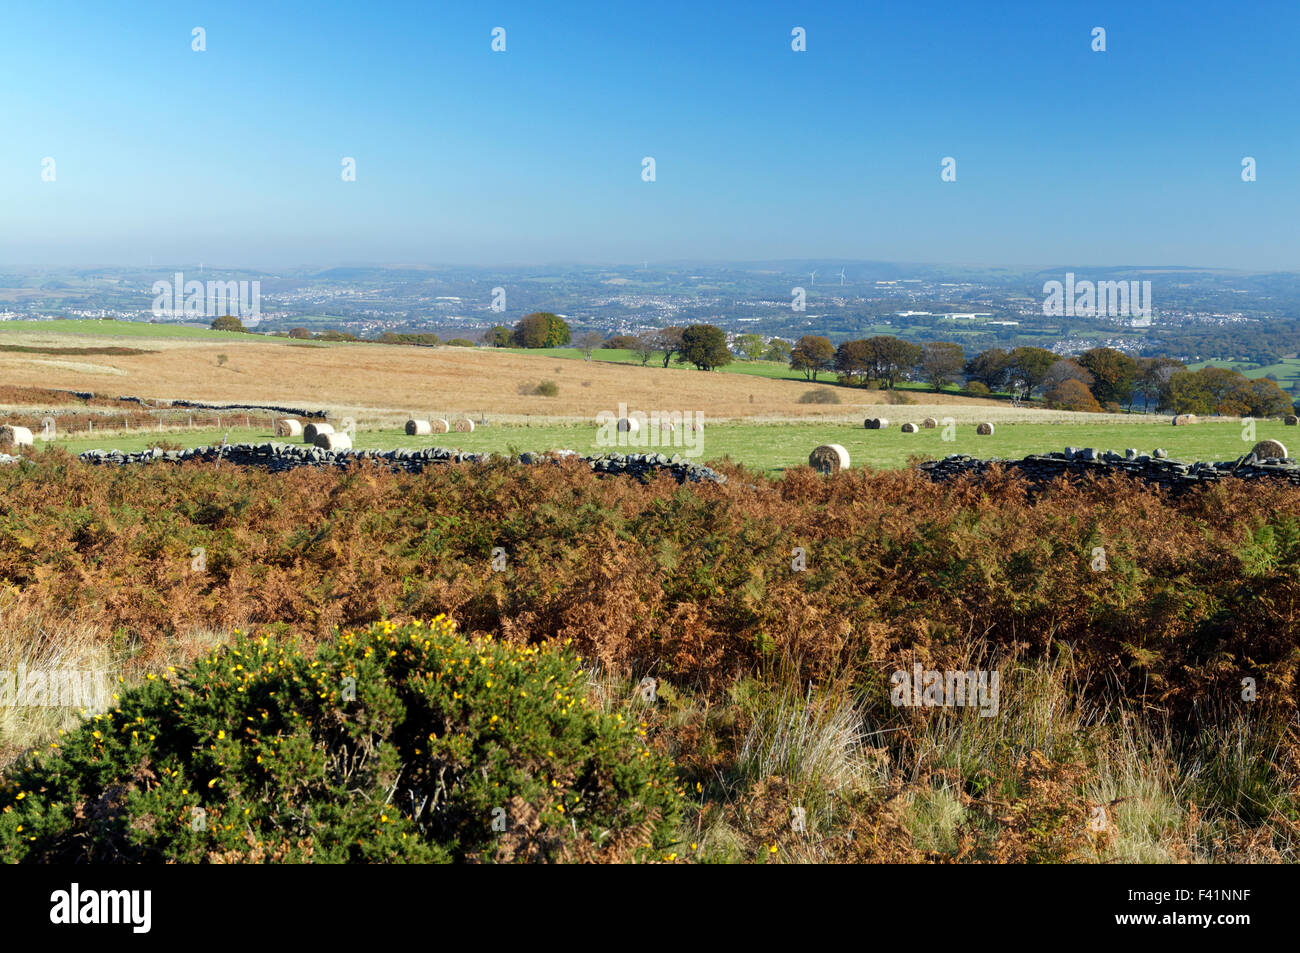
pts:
pixel 985 429
pixel 628 425
pixel 875 423
pixel 418 428
pixel 1269 450
pixel 829 458
pixel 314 430
pixel 909 428
pixel 333 441
pixel 1182 420
pixel 439 425
pixel 15 436
pixel 929 423
pixel 464 425
pixel 288 427
pixel 1291 420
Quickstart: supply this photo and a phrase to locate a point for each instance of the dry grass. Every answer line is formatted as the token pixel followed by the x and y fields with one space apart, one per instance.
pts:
pixel 383 379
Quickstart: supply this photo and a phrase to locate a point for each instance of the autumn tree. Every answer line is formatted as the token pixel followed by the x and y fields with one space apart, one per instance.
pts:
pixel 1027 368
pixel 1072 394
pixel 812 354
pixel 990 368
pixel 1115 374
pixel 541 329
pixel 941 363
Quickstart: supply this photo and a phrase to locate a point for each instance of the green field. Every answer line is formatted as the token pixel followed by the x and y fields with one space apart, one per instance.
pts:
pixel 778 446
pixel 128 329
pixel 772 369
pixel 1287 371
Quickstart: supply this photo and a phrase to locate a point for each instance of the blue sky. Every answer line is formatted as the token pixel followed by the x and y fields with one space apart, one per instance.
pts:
pixel 1064 156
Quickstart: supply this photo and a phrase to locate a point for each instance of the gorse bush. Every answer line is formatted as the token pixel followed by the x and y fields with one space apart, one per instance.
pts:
pixel 394 743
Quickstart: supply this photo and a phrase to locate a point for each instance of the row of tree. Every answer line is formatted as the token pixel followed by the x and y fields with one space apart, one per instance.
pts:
pixel 1098 379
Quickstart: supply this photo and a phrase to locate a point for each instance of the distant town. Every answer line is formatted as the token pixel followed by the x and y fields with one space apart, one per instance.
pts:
pixel 1188 314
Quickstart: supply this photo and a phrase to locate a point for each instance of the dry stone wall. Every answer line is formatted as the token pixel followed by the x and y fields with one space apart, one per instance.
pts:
pixel 1155 467
pixel 284 456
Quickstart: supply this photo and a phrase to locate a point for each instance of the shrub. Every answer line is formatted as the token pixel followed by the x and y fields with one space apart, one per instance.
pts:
pixel 977 389
pixel 821 395
pixel 395 743
pixel 460 342
pixel 543 389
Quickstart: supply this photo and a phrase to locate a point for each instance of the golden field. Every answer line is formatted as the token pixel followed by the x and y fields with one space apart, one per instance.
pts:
pixel 378 379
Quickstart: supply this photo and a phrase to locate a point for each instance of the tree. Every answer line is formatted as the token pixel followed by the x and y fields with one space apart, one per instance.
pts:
pixel 705 346
pixel 669 341
pixel 811 354
pixel 1028 366
pixel 541 329
pixel 892 359
pixel 989 368
pixel 1268 399
pixel 228 322
pixel 1153 378
pixel 497 336
pixel 588 341
pixel 644 346
pixel 751 346
pixel 1115 373
pixel 620 342
pixel 853 361
pixel 941 363
pixel 1072 394
pixel 301 334
pixel 778 350
pixel 1064 370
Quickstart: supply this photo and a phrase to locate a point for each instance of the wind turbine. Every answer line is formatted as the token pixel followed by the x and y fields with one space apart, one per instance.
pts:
pixel 841 277
pixel 812 279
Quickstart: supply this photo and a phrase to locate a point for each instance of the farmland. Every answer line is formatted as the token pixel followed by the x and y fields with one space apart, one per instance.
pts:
pixel 466 588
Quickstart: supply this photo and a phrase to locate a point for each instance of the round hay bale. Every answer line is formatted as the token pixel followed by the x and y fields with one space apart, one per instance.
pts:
pixel 314 430
pixel 829 458
pixel 14 436
pixel 909 428
pixel 333 441
pixel 875 423
pixel 667 426
pixel 418 428
pixel 1291 420
pixel 288 427
pixel 985 429
pixel 628 425
pixel 1270 450
pixel 439 425
pixel 464 425
pixel 1182 420
pixel 929 423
